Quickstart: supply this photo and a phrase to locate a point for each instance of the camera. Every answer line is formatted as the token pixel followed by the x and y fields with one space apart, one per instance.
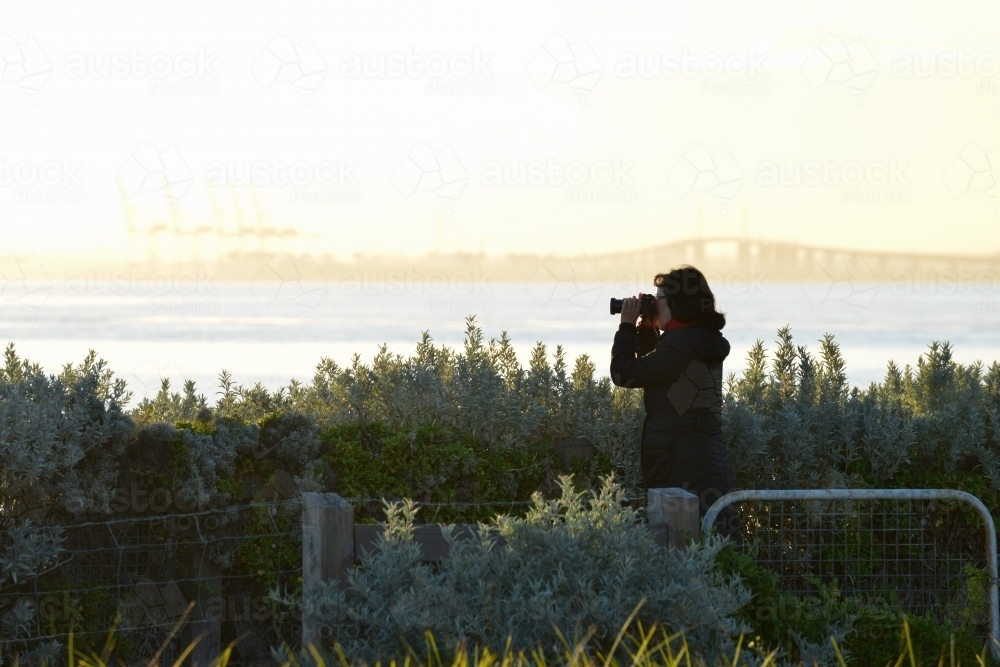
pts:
pixel 647 306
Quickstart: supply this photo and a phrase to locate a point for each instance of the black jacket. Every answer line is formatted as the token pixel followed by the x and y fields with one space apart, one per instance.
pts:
pixel 680 371
pixel 680 374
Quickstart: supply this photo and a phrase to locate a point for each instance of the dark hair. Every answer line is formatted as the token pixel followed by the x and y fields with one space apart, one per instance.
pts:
pixel 689 297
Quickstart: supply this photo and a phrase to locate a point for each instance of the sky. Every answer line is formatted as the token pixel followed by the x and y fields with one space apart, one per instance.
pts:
pixel 570 127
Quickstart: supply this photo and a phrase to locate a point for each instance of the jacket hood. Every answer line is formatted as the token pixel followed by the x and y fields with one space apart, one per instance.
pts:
pixel 711 346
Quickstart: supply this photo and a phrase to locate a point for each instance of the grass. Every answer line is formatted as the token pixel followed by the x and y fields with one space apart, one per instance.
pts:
pixel 640 647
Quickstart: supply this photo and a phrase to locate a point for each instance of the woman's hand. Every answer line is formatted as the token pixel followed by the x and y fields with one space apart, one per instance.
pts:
pixel 630 309
pixel 649 322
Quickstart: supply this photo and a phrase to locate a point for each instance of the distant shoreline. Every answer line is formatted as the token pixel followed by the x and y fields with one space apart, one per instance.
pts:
pixel 728 258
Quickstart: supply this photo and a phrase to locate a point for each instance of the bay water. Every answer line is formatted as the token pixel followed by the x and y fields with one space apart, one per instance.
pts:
pixel 271 332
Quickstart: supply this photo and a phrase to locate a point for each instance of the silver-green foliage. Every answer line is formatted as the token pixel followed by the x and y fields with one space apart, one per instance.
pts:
pixel 798 424
pixel 482 389
pixel 61 438
pixel 792 419
pixel 577 563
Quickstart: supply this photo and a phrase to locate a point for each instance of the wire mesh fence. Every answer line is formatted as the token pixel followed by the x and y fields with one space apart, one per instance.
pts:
pixel 916 551
pixel 923 552
pixel 139 574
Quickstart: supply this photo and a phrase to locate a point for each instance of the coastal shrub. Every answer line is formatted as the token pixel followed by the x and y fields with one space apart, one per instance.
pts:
pixel 61 438
pixel 798 627
pixel 481 391
pixel 433 464
pixel 798 424
pixel 574 565
pixel 465 425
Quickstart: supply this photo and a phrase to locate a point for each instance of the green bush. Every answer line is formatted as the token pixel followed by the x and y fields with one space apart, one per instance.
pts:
pixel 576 563
pixel 61 438
pixel 430 464
pixel 470 425
pixel 800 425
pixel 868 631
pixel 481 393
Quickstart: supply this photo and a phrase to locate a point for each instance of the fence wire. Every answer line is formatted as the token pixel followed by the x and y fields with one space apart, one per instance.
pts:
pixel 145 570
pixel 922 552
pixel 921 555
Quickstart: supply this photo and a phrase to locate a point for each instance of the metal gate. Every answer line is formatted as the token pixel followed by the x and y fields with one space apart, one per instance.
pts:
pixel 900 543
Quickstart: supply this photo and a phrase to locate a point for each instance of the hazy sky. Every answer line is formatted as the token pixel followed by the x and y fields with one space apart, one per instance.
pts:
pixel 505 127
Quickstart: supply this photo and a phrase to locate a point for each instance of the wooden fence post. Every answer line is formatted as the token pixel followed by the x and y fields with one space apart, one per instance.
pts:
pixel 206 619
pixel 327 550
pixel 676 508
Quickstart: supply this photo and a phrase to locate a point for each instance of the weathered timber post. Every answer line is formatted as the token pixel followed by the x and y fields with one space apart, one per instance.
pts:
pixel 206 620
pixel 327 550
pixel 676 508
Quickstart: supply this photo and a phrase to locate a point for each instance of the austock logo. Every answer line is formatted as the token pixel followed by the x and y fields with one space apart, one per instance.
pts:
pixel 23 64
pixel 163 604
pixel 328 181
pixel 702 170
pixel 872 182
pixel 843 279
pixel 423 169
pixel 284 61
pixel 560 279
pixel 733 74
pixel 152 171
pixel 973 172
pixel 836 62
pixel 597 182
pixel 562 63
pixel 982 67
pixel 148 377
pixel 459 306
pixel 54 181
pixel 436 283
pixel 23 280
pixel 185 291
pixel 958 280
pixel 186 506
pixel 944 64
pixel 285 279
pixel 276 172
pixel 455 74
pixel 172 74
pixel 740 291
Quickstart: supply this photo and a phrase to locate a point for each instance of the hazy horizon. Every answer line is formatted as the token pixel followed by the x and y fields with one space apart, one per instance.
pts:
pixel 399 129
pixel 193 186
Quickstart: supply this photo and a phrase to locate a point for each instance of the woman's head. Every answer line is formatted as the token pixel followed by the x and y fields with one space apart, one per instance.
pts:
pixel 689 297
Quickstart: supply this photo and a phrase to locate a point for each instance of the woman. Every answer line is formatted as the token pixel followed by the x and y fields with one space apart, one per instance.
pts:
pixel 680 372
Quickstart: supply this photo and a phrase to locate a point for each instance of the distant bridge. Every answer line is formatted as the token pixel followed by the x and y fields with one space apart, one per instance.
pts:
pixel 783 260
pixel 729 258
